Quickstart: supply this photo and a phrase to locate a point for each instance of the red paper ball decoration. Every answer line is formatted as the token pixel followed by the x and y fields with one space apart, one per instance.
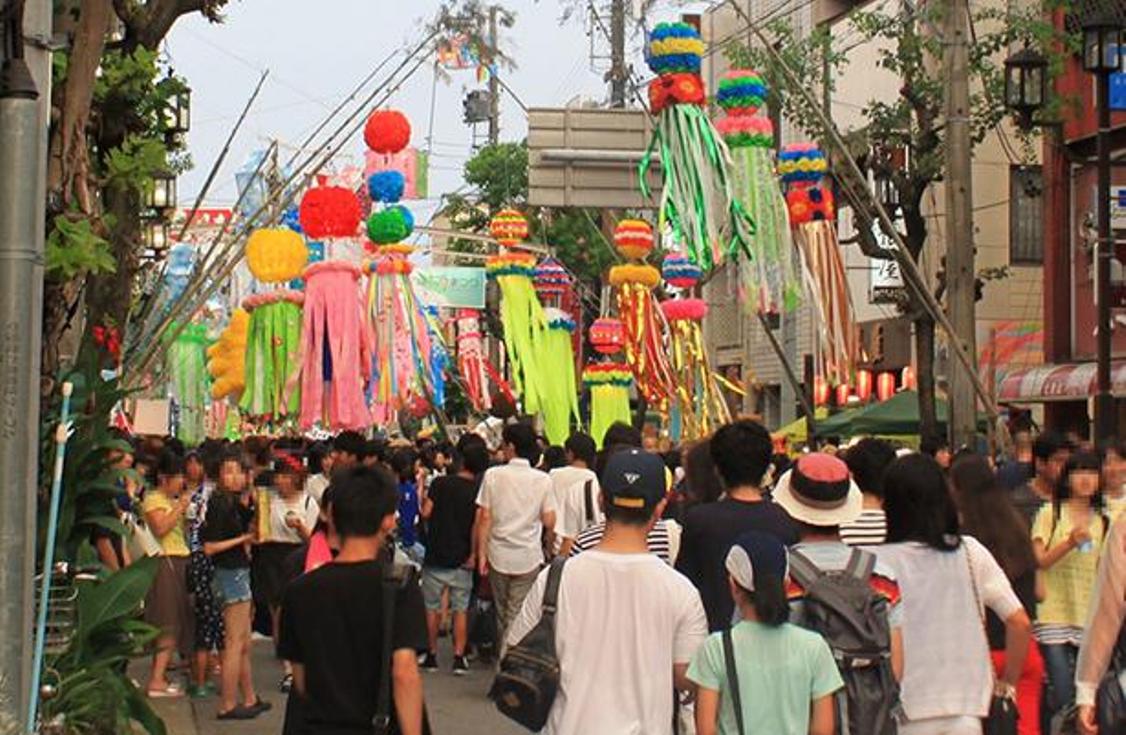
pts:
pixel 864 384
pixel 820 391
pixel 329 211
pixel 509 227
pixel 607 335
pixel 633 238
pixel 843 392
pixel 885 386
pixel 387 131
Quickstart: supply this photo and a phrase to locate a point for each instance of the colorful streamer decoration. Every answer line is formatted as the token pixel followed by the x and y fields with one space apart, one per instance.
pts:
pixel 477 373
pixel 643 330
pixel 509 227
pixel 560 394
pixel 273 354
pixel 702 406
pixel 225 358
pixel 768 279
pixel 524 322
pixel 697 200
pixel 607 335
pixel 553 283
pixel 812 213
pixel 186 359
pixel 608 383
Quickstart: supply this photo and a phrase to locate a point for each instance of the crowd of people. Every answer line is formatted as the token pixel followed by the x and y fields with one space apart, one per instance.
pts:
pixel 718 587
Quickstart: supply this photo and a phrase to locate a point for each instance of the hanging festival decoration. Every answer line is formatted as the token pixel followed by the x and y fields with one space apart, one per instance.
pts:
pixel 276 255
pixel 329 212
pixel 521 313
pixel 559 404
pixel 803 167
pixel 768 280
pixel 643 330
pixel 477 373
pixel 701 405
pixel 273 354
pixel 680 272
pixel 633 238
pixel 697 199
pixel 553 283
pixel 607 335
pixel 225 358
pixel 186 361
pixel 608 383
pixel 387 131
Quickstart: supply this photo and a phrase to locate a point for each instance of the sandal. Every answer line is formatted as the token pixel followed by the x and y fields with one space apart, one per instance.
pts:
pixel 260 705
pixel 168 692
pixel 238 712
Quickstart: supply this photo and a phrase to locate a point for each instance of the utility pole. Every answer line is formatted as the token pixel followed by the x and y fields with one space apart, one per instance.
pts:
pixel 960 272
pixel 24 91
pixel 1105 419
pixel 617 73
pixel 494 83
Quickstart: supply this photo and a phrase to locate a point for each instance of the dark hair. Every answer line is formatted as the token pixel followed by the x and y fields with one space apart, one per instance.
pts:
pixel 554 457
pixel 988 514
pixel 169 464
pixel 469 439
pixel 349 442
pixel 376 448
pixel 475 458
pixel 931 446
pixel 620 434
pixel 314 457
pixel 1078 462
pixel 582 447
pixel 768 599
pixel 523 438
pixel 867 460
pixel 701 481
pixel 174 445
pixel 918 504
pixel 402 464
pixel 362 497
pixel 626 516
pixel 1047 444
pixel 741 452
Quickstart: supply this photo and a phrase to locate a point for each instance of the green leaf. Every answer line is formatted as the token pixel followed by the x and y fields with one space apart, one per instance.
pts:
pixel 74 249
pixel 141 711
pixel 118 596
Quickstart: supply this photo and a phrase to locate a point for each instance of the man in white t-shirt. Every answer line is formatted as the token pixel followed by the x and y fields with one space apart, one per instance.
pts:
pixel 576 491
pixel 626 624
pixel 515 507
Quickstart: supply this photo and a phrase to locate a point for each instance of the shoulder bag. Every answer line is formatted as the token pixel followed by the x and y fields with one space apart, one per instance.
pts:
pixel 1003 715
pixel 385 721
pixel 733 680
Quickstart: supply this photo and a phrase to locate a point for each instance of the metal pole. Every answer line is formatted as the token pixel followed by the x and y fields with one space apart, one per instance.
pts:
pixel 960 273
pixel 1105 419
pixel 494 87
pixel 24 90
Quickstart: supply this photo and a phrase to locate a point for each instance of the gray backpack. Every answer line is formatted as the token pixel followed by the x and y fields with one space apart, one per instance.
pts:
pixel 852 618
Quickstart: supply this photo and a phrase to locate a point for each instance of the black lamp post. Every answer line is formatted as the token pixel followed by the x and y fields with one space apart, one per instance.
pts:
pixel 1102 56
pixel 161 195
pixel 1026 84
pixel 888 193
pixel 178 113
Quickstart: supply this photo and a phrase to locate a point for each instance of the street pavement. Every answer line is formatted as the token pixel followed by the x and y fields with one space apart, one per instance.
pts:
pixel 456 704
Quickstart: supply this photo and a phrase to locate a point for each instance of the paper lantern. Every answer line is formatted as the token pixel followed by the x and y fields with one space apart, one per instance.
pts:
pixel 843 392
pixel 329 211
pixel 907 378
pixel 607 335
pixel 390 225
pixel 741 92
pixel 276 255
pixel 509 227
pixel 885 386
pixel 680 272
pixel 386 186
pixel 863 384
pixel 387 131
pixel 746 132
pixel 551 279
pixel 820 391
pixel 802 163
pixel 633 238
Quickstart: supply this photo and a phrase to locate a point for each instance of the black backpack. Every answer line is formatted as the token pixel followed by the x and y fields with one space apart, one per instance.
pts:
pixel 525 686
pixel 852 618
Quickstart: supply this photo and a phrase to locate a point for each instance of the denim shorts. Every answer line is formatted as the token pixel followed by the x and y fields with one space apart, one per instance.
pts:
pixel 436 579
pixel 232 585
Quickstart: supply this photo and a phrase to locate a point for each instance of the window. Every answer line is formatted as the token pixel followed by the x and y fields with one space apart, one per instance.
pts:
pixel 1026 215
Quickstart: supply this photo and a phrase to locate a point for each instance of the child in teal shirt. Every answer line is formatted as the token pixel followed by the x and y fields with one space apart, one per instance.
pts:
pixel 786 675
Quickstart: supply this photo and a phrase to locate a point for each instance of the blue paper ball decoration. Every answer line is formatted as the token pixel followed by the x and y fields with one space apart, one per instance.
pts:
pixel 386 186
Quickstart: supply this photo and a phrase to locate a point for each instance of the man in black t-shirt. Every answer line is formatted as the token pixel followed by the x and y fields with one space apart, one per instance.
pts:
pixel 449 510
pixel 741 452
pixel 332 620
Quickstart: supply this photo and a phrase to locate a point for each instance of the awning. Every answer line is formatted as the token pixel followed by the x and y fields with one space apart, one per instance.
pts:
pixel 1070 382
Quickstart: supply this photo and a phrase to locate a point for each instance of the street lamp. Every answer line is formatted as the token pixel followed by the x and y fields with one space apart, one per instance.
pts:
pixel 1026 84
pixel 178 113
pixel 162 194
pixel 1102 56
pixel 155 234
pixel 888 193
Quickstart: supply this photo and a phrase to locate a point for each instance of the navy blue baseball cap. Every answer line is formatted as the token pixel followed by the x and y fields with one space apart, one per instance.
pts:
pixel 756 551
pixel 634 479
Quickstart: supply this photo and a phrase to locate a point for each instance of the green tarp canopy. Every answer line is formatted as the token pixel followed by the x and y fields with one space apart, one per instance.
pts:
pixel 897 416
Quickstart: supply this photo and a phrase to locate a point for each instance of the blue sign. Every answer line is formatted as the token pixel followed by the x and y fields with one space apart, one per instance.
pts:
pixel 1118 91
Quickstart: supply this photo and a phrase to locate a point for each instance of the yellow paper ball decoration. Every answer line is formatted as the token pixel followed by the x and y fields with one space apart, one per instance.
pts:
pixel 276 255
pixel 226 358
pixel 509 227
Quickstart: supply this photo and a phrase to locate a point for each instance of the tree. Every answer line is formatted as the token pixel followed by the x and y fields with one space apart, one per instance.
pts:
pixel 108 136
pixel 903 138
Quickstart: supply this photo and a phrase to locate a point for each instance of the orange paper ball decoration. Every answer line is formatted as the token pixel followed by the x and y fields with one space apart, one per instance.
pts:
pixel 509 227
pixel 387 131
pixel 885 386
pixel 607 335
pixel 864 384
pixel 633 238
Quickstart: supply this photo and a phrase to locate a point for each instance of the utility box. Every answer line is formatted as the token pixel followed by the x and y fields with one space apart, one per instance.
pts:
pixel 579 157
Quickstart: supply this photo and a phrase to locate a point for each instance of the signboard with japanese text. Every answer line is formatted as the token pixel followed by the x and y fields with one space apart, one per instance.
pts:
pixel 886 283
pixel 450 286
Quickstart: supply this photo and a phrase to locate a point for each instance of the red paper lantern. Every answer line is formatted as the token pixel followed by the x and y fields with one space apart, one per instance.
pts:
pixel 820 391
pixel 329 211
pixel 607 335
pixel 387 131
pixel 843 392
pixel 885 386
pixel 907 379
pixel 508 227
pixel 863 385
pixel 633 238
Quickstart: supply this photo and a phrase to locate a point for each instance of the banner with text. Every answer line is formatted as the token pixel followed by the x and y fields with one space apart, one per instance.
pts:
pixel 450 286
